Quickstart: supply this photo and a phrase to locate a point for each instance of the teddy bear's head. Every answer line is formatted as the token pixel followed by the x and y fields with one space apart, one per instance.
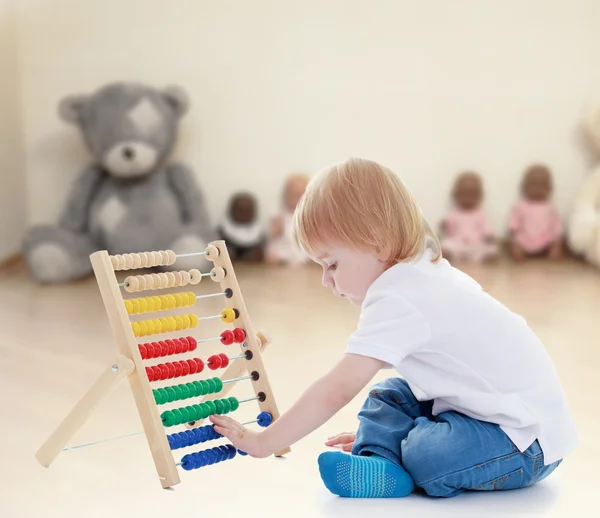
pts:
pixel 130 128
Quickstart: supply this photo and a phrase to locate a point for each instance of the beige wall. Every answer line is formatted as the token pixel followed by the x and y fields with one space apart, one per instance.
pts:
pixel 428 88
pixel 12 173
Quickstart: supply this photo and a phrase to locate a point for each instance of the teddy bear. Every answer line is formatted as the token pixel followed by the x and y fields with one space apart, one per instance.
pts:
pixel 583 226
pixel 131 198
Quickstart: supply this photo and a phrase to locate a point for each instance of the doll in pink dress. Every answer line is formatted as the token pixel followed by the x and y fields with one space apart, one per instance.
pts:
pixel 467 233
pixel 280 248
pixel 535 225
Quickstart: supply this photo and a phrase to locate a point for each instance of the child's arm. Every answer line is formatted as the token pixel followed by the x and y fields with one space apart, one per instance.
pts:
pixel 317 405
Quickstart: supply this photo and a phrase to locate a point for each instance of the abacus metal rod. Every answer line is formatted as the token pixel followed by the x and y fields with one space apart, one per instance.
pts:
pixel 190 254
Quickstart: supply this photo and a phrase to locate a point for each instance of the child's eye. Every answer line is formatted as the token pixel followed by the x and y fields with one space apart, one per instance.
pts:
pixel 332 266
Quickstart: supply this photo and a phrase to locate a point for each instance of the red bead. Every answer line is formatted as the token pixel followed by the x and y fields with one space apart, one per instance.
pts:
pixel 164 371
pixel 239 335
pixel 157 373
pixel 178 346
pixel 193 343
pixel 149 350
pixel 171 368
pixel 227 337
pixel 143 351
pixel 171 345
pixel 193 366
pixel 164 348
pixel 178 369
pixel 214 362
pixel 224 360
pixel 156 346
pixel 200 364
pixel 185 346
pixel 185 368
pixel 150 373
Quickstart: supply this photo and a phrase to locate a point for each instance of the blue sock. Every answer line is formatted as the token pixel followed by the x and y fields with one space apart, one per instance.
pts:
pixel 355 476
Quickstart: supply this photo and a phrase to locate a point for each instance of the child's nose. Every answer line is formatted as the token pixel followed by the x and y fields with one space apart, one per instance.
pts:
pixel 327 280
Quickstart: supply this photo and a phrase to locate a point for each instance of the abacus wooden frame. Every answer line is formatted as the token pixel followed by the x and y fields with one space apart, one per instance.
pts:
pixel 129 363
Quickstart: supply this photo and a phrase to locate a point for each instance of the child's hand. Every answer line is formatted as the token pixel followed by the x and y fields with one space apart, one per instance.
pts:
pixel 346 440
pixel 241 438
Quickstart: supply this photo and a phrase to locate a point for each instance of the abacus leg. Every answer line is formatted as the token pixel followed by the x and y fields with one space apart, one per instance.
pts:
pixel 121 368
pixel 55 254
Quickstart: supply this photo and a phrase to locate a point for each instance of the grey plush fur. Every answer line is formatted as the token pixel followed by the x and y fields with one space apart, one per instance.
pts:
pixel 131 199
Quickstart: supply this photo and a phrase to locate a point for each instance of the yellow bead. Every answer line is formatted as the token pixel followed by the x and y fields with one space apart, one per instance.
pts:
pixel 227 315
pixel 129 306
pixel 172 324
pixel 157 325
pixel 136 306
pixel 144 327
pixel 193 320
pixel 192 298
pixel 150 325
pixel 164 324
pixel 143 305
pixel 178 300
pixel 150 304
pixel 187 322
pixel 178 323
pixel 157 303
pixel 172 301
pixel 136 329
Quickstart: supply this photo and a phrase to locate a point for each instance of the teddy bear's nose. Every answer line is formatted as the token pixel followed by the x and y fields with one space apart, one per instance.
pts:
pixel 128 153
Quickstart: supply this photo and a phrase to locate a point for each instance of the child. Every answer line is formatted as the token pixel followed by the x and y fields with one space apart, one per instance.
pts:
pixel 479 407
pixel 467 233
pixel 535 225
pixel 280 248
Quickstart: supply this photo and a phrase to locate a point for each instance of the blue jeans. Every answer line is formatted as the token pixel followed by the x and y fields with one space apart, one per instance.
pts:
pixel 445 454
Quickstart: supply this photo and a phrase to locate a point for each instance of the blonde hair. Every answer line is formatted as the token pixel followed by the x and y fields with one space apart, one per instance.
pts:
pixel 362 204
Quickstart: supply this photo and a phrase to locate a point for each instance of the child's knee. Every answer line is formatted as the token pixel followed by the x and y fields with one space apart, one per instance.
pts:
pixel 396 386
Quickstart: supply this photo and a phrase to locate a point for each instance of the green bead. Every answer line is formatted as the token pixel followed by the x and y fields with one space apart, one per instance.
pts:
pixel 163 396
pixel 204 385
pixel 212 409
pixel 178 417
pixel 204 410
pixel 235 404
pixel 226 405
pixel 156 395
pixel 185 392
pixel 211 385
pixel 192 388
pixel 168 418
pixel 200 388
pixel 198 412
pixel 185 415
pixel 219 406
pixel 177 390
pixel 218 384
pixel 170 394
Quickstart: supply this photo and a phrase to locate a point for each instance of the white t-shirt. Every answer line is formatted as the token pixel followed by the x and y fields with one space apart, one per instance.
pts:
pixel 458 346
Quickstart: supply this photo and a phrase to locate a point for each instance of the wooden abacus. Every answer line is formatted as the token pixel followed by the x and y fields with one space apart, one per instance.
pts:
pixel 131 357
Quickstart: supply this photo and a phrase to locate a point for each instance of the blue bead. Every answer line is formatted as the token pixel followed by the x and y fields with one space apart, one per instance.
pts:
pixel 197 435
pixel 171 440
pixel 264 419
pixel 184 439
pixel 232 450
pixel 242 453
pixel 204 458
pixel 188 462
pixel 198 459
pixel 211 457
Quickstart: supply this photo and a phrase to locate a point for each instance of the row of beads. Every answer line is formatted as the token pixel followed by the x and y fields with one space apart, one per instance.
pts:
pixel 197 412
pixel 160 303
pixel 143 260
pixel 167 347
pixel 207 457
pixel 181 368
pixel 161 281
pixel 164 325
pixel 187 390
pixel 192 437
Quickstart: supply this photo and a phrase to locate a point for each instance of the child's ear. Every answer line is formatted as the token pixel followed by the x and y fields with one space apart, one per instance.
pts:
pixel 383 254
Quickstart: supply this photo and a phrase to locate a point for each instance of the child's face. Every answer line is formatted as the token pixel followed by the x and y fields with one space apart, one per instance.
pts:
pixel 348 272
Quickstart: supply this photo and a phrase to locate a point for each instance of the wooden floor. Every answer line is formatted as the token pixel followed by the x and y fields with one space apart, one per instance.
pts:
pixel 54 341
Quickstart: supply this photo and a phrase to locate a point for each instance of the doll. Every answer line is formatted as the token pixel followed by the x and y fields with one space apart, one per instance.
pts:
pixel 241 229
pixel 280 249
pixel 535 225
pixel 468 235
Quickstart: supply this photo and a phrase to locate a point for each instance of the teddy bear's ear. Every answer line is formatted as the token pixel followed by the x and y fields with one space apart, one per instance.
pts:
pixel 177 99
pixel 70 108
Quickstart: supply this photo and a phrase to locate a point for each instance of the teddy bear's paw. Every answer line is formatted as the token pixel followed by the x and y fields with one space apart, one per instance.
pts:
pixel 50 263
